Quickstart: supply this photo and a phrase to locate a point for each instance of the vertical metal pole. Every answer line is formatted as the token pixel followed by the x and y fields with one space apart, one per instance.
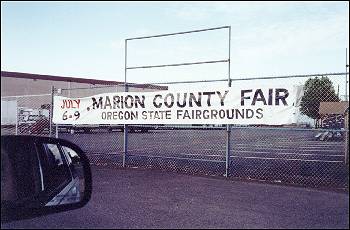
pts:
pixel 16 117
pixel 229 56
pixel 346 155
pixel 126 90
pixel 69 95
pixel 51 109
pixel 69 88
pixel 346 75
pixel 228 127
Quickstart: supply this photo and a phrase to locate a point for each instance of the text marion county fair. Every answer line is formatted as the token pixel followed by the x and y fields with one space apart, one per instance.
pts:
pixel 273 106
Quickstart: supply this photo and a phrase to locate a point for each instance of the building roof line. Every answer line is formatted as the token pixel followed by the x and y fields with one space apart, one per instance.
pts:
pixel 76 80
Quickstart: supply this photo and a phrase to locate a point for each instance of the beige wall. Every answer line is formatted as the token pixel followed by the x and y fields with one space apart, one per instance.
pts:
pixel 20 86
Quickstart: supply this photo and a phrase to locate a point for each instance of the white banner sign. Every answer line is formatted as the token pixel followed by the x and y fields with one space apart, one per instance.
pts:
pixel 260 105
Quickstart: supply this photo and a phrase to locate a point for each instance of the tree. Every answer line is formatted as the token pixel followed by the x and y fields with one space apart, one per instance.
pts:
pixel 317 90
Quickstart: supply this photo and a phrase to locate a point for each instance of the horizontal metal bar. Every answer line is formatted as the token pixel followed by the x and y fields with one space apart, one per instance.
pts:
pixel 179 64
pixel 289 129
pixel 189 82
pixel 178 33
pixel 122 84
pixel 177 127
pixel 19 96
pixel 198 81
pixel 94 87
pixel 249 79
pixel 290 76
pixel 186 128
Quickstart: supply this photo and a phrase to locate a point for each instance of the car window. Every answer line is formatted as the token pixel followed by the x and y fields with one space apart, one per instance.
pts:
pixel 56 169
pixel 76 167
pixel 53 150
pixel 72 155
pixel 69 153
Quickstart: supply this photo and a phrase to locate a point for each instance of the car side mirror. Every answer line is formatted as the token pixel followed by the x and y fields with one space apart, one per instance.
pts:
pixel 41 175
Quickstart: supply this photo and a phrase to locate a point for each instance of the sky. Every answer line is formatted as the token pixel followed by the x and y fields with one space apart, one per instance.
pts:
pixel 86 39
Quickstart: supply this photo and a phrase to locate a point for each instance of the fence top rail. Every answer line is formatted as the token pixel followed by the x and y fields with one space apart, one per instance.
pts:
pixel 254 78
pixel 291 128
pixel 208 81
pixel 19 96
pixel 135 85
pixel 178 33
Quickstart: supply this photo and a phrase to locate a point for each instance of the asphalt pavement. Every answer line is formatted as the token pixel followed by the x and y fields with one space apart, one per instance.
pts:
pixel 141 198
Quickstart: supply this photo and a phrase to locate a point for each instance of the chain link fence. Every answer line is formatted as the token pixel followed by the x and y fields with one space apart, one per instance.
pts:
pixel 26 115
pixel 310 152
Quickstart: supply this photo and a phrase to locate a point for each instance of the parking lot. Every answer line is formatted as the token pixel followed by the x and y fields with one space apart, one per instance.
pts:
pixel 139 198
pixel 210 144
pixel 282 155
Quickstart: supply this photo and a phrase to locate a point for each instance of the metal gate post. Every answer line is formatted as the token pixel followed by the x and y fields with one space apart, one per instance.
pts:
pixel 16 131
pixel 228 146
pixel 51 109
pixel 125 90
pixel 346 155
pixel 346 75
pixel 228 127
